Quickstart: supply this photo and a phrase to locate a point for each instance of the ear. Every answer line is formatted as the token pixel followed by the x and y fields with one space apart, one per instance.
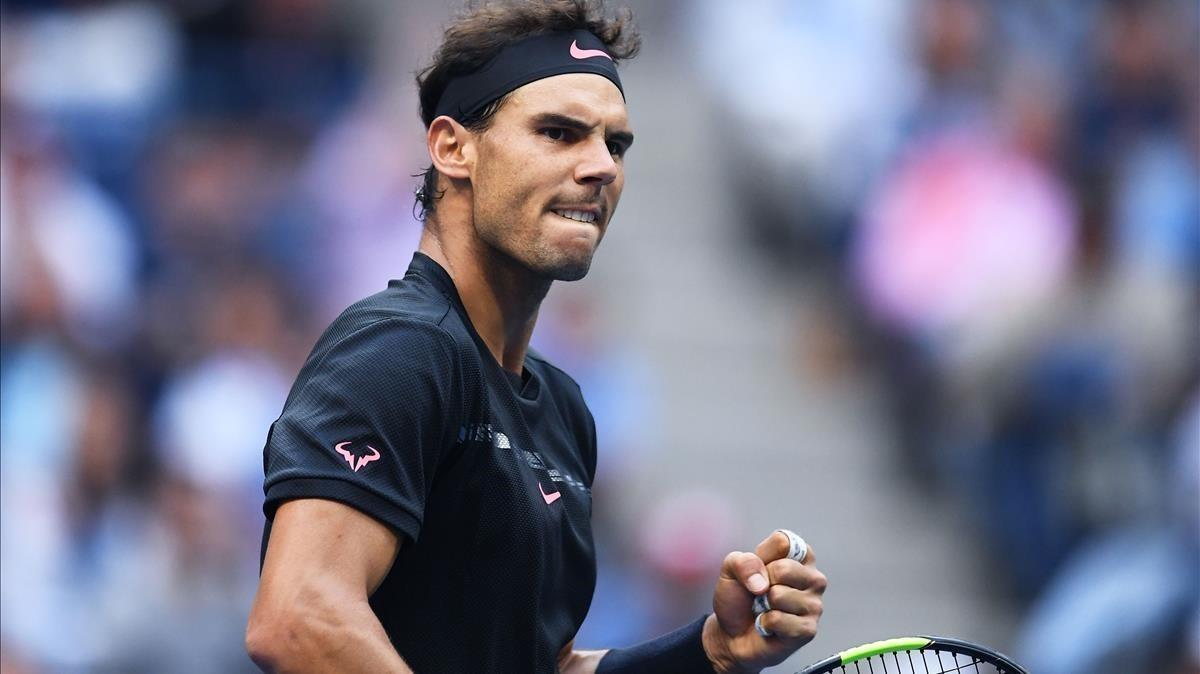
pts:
pixel 450 148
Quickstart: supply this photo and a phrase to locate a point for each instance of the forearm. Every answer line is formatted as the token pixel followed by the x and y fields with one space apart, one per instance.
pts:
pixel 350 639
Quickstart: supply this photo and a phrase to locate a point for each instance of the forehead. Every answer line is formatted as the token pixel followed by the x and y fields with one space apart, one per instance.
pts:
pixel 584 95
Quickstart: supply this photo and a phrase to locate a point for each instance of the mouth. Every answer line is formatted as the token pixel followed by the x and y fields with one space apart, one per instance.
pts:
pixel 586 217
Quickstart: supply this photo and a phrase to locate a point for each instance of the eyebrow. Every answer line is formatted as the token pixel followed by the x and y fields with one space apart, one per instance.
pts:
pixel 556 119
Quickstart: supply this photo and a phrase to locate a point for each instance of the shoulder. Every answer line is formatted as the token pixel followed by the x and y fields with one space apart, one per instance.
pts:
pixel 392 339
pixel 384 345
pixel 412 297
pixel 407 310
pixel 410 315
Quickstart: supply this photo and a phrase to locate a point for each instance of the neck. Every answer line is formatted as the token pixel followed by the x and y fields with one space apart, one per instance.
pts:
pixel 501 297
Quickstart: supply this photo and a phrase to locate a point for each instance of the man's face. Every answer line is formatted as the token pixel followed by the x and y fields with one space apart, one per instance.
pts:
pixel 549 172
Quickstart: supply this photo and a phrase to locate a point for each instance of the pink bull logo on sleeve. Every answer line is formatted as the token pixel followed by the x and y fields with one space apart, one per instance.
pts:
pixel 341 448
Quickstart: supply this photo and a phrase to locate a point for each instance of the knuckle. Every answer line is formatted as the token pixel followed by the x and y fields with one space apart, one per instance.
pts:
pixel 820 583
pixel 811 608
pixel 804 629
pixel 800 630
pixel 777 570
pixel 748 563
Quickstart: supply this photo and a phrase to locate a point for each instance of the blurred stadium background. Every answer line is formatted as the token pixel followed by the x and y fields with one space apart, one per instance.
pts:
pixel 916 278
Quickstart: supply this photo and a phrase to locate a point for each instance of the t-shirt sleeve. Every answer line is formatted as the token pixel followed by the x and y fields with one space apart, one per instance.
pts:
pixel 369 423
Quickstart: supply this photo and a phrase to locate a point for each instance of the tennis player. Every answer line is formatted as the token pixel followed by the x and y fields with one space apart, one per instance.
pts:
pixel 428 482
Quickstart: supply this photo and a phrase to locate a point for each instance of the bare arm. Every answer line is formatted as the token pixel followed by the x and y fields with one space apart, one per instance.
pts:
pixel 324 559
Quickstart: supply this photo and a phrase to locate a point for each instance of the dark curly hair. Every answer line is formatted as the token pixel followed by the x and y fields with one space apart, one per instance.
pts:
pixel 485 28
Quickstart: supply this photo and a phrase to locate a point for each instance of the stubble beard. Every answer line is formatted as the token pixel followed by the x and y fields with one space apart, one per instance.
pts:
pixel 564 266
pixel 537 256
pixel 546 263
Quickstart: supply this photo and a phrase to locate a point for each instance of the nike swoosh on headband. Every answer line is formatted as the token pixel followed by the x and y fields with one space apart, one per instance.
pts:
pixel 527 60
pixel 586 53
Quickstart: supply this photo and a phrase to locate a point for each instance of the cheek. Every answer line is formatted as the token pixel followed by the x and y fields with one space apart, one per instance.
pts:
pixel 495 197
pixel 508 212
pixel 508 187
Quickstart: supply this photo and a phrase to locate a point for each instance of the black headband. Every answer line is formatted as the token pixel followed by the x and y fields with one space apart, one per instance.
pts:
pixel 522 62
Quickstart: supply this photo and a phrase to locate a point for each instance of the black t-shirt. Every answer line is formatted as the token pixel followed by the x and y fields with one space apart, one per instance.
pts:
pixel 401 412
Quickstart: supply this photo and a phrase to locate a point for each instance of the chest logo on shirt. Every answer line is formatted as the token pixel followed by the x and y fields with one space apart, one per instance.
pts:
pixel 488 434
pixel 356 462
pixel 551 497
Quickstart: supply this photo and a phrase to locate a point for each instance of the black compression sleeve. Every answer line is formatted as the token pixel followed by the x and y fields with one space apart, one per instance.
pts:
pixel 680 652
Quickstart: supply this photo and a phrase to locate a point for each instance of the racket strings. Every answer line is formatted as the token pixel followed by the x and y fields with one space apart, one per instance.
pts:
pixel 922 662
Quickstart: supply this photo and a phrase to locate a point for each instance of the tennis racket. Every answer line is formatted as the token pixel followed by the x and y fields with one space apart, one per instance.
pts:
pixel 917 655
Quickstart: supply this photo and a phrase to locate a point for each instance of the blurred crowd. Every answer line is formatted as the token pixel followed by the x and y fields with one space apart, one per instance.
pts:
pixel 999 203
pixel 172 175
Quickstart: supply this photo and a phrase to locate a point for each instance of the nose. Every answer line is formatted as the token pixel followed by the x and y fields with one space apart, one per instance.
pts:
pixel 597 167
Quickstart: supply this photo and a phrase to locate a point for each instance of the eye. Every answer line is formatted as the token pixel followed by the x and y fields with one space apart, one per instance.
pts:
pixel 616 149
pixel 555 133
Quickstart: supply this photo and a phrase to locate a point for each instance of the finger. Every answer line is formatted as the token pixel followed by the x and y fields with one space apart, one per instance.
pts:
pixel 790 600
pixel 782 625
pixel 796 575
pixel 760 628
pixel 783 544
pixel 773 547
pixel 747 569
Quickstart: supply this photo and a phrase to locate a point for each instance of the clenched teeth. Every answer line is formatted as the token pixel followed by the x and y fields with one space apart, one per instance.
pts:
pixel 580 216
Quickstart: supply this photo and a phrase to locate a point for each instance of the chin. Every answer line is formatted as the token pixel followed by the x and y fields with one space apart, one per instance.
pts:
pixel 569 262
pixel 565 269
pixel 572 273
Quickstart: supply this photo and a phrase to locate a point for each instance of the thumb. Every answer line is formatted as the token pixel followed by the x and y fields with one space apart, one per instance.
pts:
pixel 747 569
